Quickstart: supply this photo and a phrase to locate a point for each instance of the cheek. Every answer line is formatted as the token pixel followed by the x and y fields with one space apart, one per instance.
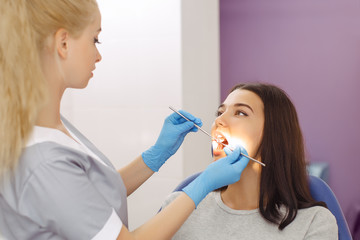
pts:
pixel 256 140
pixel 250 136
pixel 254 146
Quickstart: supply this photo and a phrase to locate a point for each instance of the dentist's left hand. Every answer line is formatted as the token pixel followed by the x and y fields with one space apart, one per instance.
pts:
pixel 171 137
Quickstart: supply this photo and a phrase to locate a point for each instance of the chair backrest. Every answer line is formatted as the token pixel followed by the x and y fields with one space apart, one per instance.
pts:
pixel 320 191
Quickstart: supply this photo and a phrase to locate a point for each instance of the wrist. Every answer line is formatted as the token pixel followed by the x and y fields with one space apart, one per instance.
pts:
pixel 196 190
pixel 155 157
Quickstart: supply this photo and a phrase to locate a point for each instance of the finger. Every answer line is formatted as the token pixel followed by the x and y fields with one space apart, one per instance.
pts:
pixel 234 155
pixel 227 151
pixel 175 118
pixel 193 119
pixel 198 122
pixel 231 156
pixel 243 150
pixel 188 115
pixel 178 119
pixel 194 129
pixel 241 164
pixel 185 127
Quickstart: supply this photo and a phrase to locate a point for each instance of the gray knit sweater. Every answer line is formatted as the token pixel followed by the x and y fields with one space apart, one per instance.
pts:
pixel 214 220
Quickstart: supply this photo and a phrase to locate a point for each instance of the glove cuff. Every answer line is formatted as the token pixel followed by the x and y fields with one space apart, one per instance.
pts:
pixel 154 158
pixel 196 190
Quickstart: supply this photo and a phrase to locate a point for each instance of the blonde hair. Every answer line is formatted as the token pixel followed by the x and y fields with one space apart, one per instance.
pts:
pixel 25 25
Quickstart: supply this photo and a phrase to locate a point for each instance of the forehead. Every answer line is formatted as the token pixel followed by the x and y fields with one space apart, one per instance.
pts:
pixel 97 17
pixel 244 96
pixel 95 21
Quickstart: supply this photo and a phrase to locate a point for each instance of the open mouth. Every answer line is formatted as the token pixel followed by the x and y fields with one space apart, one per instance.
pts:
pixel 217 143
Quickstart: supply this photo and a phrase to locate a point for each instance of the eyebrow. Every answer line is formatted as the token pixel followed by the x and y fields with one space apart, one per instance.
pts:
pixel 99 30
pixel 238 105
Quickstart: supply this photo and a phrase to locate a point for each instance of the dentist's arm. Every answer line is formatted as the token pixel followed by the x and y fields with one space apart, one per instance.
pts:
pixel 135 174
pixel 164 225
pixel 172 135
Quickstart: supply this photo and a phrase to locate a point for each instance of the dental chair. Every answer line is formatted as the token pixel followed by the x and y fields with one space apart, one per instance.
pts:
pixel 319 190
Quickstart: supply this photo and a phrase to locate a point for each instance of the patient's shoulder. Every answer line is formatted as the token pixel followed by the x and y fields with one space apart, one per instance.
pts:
pixel 321 222
pixel 316 212
pixel 171 197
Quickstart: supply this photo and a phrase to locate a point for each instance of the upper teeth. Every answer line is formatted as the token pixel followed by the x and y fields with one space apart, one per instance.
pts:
pixel 220 138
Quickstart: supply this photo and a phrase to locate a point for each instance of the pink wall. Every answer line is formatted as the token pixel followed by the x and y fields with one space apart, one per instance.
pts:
pixel 311 49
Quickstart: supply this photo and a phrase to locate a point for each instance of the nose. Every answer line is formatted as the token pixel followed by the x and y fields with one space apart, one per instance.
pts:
pixel 220 121
pixel 98 56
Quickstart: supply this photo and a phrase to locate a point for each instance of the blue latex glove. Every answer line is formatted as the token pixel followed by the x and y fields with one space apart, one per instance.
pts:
pixel 171 137
pixel 223 172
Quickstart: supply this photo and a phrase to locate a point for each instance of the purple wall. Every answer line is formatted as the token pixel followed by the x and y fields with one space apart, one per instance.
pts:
pixel 311 49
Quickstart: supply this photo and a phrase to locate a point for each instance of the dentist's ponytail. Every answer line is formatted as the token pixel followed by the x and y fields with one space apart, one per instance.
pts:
pixel 21 81
pixel 26 30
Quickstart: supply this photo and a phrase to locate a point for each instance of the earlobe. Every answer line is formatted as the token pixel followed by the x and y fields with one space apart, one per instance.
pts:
pixel 62 42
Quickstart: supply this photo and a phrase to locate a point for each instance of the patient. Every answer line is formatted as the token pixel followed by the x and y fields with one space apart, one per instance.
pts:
pixel 271 202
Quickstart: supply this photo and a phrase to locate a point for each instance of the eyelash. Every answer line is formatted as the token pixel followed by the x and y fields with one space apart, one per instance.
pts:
pixel 218 113
pixel 96 41
pixel 238 112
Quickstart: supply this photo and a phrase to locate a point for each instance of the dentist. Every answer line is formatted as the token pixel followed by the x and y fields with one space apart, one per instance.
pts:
pixel 55 184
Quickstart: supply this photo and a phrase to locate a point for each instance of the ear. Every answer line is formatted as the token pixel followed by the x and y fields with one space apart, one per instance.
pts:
pixel 62 42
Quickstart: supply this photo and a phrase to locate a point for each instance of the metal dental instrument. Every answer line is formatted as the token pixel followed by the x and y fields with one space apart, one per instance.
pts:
pixel 263 164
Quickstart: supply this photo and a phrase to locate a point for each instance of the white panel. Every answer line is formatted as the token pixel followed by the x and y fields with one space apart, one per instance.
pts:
pixel 141 55
pixel 201 75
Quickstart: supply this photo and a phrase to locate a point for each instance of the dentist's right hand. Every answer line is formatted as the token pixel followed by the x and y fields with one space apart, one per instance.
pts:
pixel 171 137
pixel 223 172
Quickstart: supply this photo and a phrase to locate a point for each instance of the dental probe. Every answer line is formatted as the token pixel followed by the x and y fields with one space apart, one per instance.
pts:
pixel 263 164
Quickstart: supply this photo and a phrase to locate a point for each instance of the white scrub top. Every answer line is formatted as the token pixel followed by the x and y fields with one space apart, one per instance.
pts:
pixel 62 189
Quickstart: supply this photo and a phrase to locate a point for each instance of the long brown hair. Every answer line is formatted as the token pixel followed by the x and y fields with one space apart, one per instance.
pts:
pixel 284 180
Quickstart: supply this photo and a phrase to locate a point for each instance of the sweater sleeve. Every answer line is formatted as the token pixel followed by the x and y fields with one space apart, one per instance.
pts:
pixel 170 198
pixel 323 226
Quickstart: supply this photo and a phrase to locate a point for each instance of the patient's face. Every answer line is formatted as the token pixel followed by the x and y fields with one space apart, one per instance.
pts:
pixel 240 121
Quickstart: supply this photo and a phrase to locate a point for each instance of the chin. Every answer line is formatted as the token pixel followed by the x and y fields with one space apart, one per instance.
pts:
pixel 83 84
pixel 217 156
pixel 79 85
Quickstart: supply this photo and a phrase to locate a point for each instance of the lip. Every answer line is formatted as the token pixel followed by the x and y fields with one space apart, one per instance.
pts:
pixel 91 73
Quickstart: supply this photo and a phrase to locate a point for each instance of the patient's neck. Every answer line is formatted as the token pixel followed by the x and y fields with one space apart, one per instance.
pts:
pixel 244 194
